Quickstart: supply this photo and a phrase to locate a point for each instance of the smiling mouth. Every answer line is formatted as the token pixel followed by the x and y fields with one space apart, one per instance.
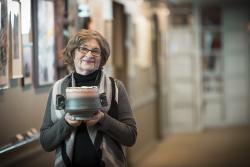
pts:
pixel 87 61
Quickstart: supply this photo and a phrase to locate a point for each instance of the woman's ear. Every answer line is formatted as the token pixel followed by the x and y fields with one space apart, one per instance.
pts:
pixel 103 62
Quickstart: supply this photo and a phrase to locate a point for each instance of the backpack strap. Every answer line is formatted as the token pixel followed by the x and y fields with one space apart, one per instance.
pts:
pixel 65 157
pixel 57 109
pixel 112 113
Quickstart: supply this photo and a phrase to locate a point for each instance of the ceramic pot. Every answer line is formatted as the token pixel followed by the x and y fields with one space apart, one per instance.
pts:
pixel 82 102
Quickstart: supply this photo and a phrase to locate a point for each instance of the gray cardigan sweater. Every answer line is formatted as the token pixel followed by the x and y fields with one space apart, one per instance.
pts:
pixel 123 129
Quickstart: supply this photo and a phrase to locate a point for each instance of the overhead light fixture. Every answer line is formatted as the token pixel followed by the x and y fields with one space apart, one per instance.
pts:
pixel 83 10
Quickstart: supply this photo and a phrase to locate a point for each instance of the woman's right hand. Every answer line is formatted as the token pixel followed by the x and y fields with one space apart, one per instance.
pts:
pixel 70 120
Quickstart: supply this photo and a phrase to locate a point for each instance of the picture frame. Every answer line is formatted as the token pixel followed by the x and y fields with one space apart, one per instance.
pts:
pixel 16 40
pixel 4 44
pixel 61 36
pixel 44 42
pixel 27 41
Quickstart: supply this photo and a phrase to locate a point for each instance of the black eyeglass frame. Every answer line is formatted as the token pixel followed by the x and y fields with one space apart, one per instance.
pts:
pixel 96 52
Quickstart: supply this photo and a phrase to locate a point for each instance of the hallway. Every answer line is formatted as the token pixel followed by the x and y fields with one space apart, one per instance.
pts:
pixel 183 64
pixel 228 147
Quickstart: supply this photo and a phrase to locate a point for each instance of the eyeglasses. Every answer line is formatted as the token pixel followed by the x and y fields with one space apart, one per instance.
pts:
pixel 94 52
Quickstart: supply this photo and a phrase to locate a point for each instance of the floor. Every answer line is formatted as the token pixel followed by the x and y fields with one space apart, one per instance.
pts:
pixel 228 147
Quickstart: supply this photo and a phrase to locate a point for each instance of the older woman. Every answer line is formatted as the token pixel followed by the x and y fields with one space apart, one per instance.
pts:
pixel 98 141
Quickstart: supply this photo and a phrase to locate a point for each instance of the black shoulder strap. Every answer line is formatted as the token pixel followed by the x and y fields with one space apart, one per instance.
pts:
pixel 113 87
pixel 65 157
pixel 112 112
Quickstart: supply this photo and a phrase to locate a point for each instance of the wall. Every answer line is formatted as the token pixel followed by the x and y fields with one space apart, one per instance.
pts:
pixel 143 101
pixel 22 109
pixel 145 42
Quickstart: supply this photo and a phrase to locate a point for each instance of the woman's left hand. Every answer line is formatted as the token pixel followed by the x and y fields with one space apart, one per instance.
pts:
pixel 96 118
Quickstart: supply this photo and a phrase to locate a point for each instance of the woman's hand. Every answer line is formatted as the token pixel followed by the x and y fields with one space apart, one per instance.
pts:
pixel 70 120
pixel 96 118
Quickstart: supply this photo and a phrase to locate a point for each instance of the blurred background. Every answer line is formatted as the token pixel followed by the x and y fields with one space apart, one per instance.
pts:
pixel 185 64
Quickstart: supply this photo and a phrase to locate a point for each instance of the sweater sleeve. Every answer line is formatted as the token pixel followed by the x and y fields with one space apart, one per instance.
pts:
pixel 52 134
pixel 123 129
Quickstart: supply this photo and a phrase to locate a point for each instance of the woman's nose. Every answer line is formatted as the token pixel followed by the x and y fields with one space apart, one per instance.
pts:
pixel 88 53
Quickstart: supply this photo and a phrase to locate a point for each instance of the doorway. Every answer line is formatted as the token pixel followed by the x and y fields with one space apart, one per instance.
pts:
pixel 212 66
pixel 119 49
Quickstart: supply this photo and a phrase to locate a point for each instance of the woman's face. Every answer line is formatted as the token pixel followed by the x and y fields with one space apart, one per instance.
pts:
pixel 87 57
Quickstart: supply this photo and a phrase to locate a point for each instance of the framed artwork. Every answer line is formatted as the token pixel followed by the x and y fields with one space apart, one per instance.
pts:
pixel 16 40
pixel 44 42
pixel 97 14
pixel 27 42
pixel 61 36
pixel 4 59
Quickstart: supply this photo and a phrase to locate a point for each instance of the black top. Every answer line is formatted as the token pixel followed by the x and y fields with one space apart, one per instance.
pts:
pixel 85 154
pixel 92 79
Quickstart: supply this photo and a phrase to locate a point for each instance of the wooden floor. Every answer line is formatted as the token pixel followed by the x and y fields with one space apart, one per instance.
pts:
pixel 228 147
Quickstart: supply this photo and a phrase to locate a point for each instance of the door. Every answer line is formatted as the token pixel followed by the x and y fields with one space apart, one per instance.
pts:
pixel 183 85
pixel 183 71
pixel 119 49
pixel 237 65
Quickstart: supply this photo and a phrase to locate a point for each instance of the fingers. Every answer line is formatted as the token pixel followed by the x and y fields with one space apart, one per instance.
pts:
pixel 95 119
pixel 71 120
pixel 91 122
pixel 70 117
